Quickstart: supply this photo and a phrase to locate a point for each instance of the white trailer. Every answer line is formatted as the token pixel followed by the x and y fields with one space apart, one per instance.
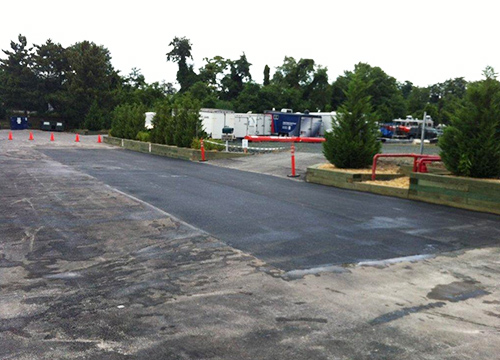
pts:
pixel 329 119
pixel 213 120
pixel 252 124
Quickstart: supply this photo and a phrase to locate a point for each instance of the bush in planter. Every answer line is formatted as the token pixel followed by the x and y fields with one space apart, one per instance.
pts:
pixel 470 146
pixel 353 142
pixel 163 129
pixel 128 120
pixel 177 122
pixel 143 136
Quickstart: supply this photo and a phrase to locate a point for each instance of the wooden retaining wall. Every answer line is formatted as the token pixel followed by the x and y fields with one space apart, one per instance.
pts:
pixel 169 151
pixel 444 189
pixel 467 193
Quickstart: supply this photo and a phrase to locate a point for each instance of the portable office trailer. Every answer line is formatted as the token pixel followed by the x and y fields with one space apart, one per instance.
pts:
pixel 328 119
pixel 252 124
pixel 213 120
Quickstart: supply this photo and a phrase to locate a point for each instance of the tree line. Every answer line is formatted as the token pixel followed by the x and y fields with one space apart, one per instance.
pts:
pixel 80 85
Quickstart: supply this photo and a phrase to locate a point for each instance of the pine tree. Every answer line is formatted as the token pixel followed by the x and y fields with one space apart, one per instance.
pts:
pixel 470 146
pixel 94 120
pixel 353 143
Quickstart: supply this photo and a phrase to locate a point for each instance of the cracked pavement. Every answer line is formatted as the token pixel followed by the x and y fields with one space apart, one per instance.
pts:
pixel 89 272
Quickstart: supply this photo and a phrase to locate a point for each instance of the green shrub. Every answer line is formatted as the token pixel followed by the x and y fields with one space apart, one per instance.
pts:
pixel 128 120
pixel 177 123
pixel 162 132
pixel 94 120
pixel 143 136
pixel 353 142
pixel 470 146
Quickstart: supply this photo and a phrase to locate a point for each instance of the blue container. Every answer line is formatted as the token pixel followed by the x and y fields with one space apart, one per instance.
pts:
pixel 18 123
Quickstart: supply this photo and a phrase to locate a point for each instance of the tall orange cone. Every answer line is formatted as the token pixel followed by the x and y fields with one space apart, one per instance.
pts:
pixel 99 140
pixel 51 136
pixel 77 138
pixel 31 136
pixel 10 135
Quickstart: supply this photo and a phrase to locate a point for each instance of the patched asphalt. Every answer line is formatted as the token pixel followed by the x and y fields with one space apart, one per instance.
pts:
pixel 289 224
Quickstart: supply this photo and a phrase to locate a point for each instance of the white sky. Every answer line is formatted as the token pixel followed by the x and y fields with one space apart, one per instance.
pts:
pixel 424 41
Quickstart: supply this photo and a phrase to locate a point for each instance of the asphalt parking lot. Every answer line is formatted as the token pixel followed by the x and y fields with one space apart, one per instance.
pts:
pixel 89 269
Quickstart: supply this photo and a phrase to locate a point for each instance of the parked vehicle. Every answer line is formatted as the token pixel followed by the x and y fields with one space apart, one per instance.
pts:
pixel 416 133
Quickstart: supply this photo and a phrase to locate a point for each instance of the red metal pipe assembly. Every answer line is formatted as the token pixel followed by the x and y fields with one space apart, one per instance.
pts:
pixel 422 163
pixel 416 158
pixel 284 139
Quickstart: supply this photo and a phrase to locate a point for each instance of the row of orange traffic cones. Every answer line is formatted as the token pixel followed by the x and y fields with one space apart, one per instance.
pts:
pixel 77 138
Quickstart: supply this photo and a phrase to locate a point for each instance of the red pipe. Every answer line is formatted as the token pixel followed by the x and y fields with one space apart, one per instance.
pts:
pixel 415 157
pixel 421 163
pixel 284 139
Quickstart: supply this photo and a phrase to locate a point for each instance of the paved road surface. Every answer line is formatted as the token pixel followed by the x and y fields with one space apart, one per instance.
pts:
pixel 288 224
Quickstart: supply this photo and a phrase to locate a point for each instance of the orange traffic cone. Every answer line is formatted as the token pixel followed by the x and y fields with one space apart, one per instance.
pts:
pixel 10 135
pixel 77 138
pixel 99 139
pixel 51 136
pixel 31 136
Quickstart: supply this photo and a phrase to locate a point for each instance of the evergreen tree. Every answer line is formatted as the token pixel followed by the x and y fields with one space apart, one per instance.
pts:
pixel 128 121
pixel 94 120
pixel 353 143
pixel 187 122
pixel 471 144
pixel 18 87
pixel 162 132
pixel 92 77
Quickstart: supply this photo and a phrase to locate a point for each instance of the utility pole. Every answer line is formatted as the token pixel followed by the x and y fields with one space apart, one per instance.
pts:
pixel 422 137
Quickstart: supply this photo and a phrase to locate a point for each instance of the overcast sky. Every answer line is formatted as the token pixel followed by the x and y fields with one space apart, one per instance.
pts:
pixel 422 41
